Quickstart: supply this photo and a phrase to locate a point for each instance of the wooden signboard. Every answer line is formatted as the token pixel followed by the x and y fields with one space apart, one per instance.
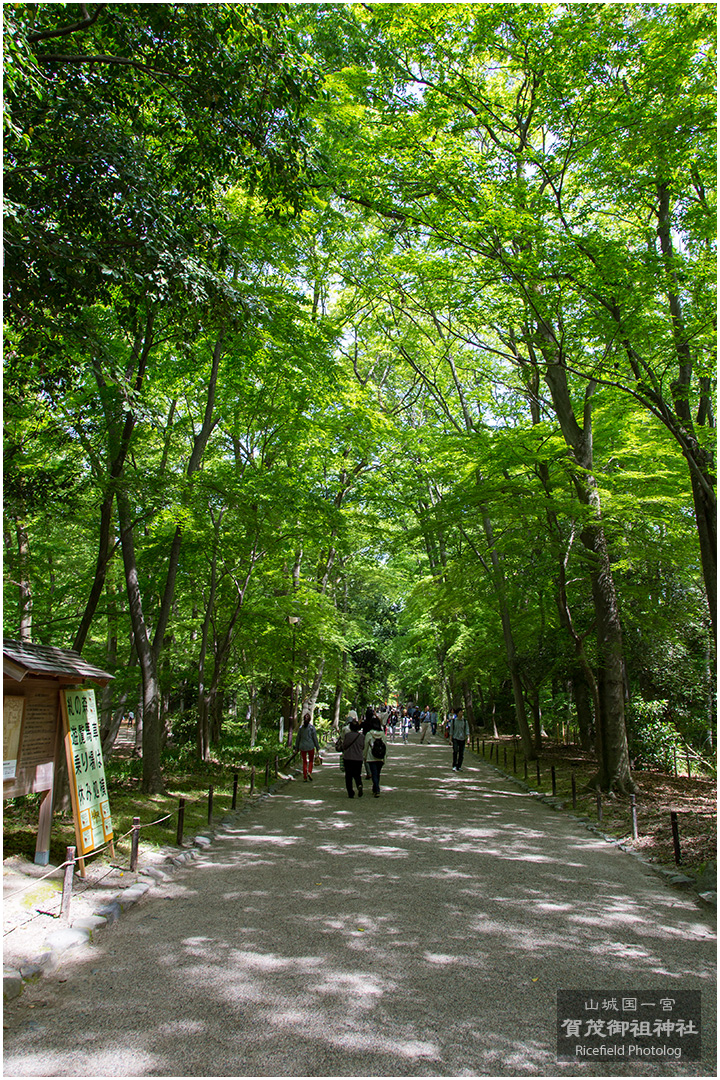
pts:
pixel 33 676
pixel 30 729
pixel 86 770
pixel 13 712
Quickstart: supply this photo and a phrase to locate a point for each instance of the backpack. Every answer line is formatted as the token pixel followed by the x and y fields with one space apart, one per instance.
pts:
pixel 378 748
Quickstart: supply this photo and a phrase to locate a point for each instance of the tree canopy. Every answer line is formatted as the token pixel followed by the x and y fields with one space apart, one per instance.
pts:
pixel 365 352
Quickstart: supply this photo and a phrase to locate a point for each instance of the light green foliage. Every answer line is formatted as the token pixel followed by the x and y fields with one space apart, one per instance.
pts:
pixel 432 209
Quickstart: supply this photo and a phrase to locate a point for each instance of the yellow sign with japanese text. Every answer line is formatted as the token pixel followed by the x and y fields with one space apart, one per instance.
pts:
pixel 93 824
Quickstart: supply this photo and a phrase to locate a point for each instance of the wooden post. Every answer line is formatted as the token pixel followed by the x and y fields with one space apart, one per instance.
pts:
pixel 633 818
pixel 505 757
pixel 235 787
pixel 525 768
pixel 483 748
pixel 252 779
pixel 574 791
pixel 267 773
pixel 675 834
pixel 210 804
pixel 134 844
pixel 537 769
pixel 554 779
pixel 514 762
pixel 181 822
pixel 67 884
pixel 599 806
pixel 276 766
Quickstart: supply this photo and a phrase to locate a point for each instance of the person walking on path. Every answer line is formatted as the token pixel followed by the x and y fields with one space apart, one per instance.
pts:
pixel 374 754
pixel 424 723
pixel 368 723
pixel 352 752
pixel 307 743
pixel 459 733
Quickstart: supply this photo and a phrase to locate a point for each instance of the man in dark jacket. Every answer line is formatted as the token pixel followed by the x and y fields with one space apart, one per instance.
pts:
pixel 352 752
pixel 459 733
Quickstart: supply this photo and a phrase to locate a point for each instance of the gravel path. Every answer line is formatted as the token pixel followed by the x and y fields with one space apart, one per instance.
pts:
pixel 424 933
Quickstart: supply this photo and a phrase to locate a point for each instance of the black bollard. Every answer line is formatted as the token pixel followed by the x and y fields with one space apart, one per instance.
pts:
pixel 675 834
pixel 134 844
pixel 633 818
pixel 235 787
pixel 181 822
pixel 554 779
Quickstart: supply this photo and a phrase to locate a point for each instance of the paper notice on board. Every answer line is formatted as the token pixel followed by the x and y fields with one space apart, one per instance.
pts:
pixel 13 711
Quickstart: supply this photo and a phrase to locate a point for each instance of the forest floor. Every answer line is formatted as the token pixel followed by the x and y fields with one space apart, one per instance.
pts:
pixel 694 799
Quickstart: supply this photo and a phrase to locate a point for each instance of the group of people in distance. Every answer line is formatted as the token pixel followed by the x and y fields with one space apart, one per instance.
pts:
pixel 365 743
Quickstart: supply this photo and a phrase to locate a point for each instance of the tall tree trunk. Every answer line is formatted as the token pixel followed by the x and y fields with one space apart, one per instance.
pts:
pixel 498 577
pixel 119 436
pixel 24 587
pixel 203 702
pixel 111 718
pixel 698 458
pixel 583 708
pixel 310 694
pixel 468 703
pixel 611 734
pixel 335 711
pixel 152 780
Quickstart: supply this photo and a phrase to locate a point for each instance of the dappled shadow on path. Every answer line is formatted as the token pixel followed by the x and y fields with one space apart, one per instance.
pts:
pixel 425 933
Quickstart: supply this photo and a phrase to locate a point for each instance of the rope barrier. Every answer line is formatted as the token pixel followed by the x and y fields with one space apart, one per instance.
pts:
pixel 26 888
pixel 149 823
pixel 90 854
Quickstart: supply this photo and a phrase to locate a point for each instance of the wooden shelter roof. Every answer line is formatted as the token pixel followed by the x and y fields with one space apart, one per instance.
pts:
pixel 20 658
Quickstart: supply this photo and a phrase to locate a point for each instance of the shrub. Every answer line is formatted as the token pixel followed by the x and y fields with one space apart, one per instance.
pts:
pixel 653 740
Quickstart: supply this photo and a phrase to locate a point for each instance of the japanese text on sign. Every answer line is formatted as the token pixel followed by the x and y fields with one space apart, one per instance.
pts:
pixel 87 770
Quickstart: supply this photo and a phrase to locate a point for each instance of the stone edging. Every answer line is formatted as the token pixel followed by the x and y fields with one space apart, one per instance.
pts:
pixel 673 877
pixel 82 930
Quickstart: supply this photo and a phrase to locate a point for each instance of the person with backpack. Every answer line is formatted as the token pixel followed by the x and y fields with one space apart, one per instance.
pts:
pixel 352 753
pixel 368 723
pixel 374 754
pixel 307 743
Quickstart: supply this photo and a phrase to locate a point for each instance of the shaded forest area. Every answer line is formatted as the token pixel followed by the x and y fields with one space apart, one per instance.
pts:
pixel 366 352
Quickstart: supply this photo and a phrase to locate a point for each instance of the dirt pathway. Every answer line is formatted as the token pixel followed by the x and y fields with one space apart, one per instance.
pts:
pixel 425 933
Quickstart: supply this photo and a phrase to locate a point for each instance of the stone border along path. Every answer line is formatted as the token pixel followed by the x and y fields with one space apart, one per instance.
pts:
pixel 425 933
pixel 58 940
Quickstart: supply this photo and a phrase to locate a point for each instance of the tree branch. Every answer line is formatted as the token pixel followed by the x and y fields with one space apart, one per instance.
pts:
pixel 87 20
